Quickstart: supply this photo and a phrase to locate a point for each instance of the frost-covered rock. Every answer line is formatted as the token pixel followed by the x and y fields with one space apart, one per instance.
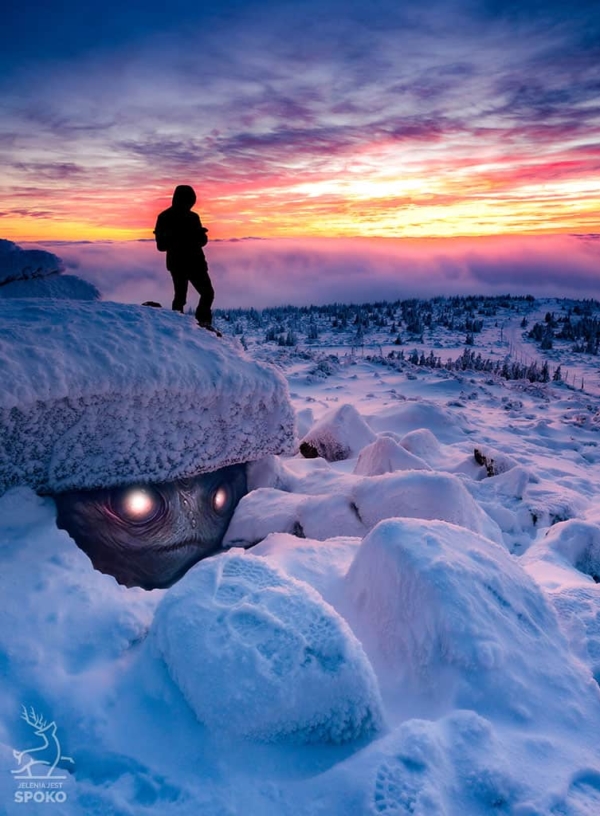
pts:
pixel 566 563
pixel 351 506
pixel 98 394
pixel 385 455
pixel 450 615
pixel 261 655
pixel 571 543
pixel 424 444
pixel 447 426
pixel 321 564
pixel 464 765
pixel 62 287
pixel 36 273
pixel 549 503
pixel 23 264
pixel 494 461
pixel 340 434
pixel 422 495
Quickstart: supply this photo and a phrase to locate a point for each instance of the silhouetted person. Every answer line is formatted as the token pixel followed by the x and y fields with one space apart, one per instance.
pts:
pixel 180 234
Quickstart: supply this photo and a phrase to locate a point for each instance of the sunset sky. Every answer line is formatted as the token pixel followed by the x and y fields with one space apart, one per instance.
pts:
pixel 335 118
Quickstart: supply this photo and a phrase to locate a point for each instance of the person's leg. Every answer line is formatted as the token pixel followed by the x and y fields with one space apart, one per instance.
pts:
pixel 201 282
pixel 180 285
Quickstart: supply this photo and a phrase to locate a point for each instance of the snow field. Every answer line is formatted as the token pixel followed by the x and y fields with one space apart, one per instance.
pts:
pixel 411 633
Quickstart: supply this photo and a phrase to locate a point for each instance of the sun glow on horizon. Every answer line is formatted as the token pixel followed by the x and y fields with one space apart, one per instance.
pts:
pixel 440 189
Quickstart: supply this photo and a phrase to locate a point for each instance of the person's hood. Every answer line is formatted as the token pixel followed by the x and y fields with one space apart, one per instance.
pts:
pixel 184 197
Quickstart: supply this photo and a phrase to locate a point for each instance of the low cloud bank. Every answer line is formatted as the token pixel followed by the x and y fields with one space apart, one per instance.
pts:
pixel 263 273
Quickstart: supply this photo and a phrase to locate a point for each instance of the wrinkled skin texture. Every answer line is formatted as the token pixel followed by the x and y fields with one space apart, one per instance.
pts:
pixel 150 535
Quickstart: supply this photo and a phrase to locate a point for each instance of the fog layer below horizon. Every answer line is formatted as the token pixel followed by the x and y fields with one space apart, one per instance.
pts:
pixel 263 273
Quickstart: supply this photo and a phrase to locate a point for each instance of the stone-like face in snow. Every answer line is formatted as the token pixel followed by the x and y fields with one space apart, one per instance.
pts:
pixel 149 535
pixel 139 424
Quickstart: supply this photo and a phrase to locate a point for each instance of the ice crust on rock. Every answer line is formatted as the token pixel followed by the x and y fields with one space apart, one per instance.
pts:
pixel 23 264
pixel 261 655
pixel 97 394
pixel 340 434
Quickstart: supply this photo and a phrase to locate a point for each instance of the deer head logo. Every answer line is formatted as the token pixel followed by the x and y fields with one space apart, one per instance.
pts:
pixel 40 761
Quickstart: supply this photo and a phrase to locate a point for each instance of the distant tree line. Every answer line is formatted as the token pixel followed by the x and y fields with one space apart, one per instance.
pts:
pixel 579 326
pixel 470 361
pixel 405 320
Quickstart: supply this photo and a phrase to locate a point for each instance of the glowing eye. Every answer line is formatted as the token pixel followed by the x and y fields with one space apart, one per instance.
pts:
pixel 137 504
pixel 221 499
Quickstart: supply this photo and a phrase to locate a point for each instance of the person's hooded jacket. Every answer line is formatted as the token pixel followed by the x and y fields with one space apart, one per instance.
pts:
pixel 179 231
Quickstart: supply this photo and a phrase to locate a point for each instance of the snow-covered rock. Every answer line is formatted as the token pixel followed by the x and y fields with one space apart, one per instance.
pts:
pixel 569 544
pixel 353 505
pixel 424 444
pixel 341 433
pixel 452 616
pixel 62 287
pixel 422 495
pixel 385 455
pixel 566 563
pixel 98 394
pixel 261 655
pixel 61 621
pixel 36 273
pixel 413 415
pixel 23 264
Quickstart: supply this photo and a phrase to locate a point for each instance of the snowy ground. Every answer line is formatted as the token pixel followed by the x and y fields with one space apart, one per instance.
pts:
pixel 406 635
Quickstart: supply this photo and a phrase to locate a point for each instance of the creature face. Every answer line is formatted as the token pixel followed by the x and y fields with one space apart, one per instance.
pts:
pixel 149 535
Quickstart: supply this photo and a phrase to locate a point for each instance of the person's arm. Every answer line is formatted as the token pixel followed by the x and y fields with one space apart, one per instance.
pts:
pixel 201 232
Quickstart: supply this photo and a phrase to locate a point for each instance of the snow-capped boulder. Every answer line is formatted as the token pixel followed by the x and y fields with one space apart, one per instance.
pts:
pixel 98 394
pixel 424 444
pixel 341 433
pixel 36 273
pixel 385 455
pixel 566 563
pixel 451 616
pixel 23 264
pixel 261 655
pixel 447 426
pixel 351 506
pixel 61 287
